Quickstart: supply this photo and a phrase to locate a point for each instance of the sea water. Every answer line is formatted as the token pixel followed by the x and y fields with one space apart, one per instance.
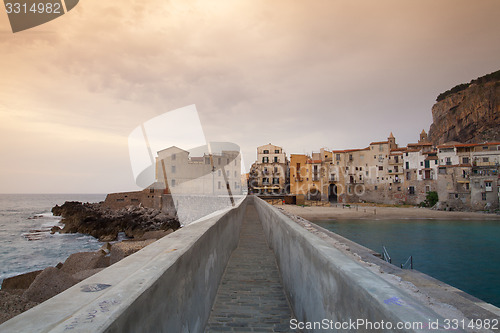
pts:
pixel 25 240
pixel 462 253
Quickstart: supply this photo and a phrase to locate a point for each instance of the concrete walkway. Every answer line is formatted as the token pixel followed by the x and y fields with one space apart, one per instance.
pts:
pixel 251 296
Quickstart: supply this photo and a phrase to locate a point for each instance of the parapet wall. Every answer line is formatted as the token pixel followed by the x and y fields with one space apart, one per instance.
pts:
pixel 322 283
pixel 169 286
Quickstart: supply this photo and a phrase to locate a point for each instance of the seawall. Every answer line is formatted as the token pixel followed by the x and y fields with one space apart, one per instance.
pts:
pixel 170 285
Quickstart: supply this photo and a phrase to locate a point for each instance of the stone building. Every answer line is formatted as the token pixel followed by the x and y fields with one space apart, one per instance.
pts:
pixel 270 173
pixel 200 171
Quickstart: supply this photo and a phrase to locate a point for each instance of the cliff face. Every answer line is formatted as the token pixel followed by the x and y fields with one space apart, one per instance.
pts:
pixel 470 115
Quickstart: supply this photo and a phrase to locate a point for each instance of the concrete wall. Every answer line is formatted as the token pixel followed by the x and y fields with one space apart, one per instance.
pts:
pixel 169 286
pixel 323 283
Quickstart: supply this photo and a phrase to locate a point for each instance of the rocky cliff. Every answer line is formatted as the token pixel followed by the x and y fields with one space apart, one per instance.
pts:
pixel 468 113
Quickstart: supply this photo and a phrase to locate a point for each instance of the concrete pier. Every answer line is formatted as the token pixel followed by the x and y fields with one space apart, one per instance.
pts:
pixel 248 269
pixel 251 296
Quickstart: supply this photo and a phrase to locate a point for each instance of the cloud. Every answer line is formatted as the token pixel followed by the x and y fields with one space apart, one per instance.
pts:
pixel 299 74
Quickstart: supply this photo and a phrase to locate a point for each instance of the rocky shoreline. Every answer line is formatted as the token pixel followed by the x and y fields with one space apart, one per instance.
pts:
pixel 142 226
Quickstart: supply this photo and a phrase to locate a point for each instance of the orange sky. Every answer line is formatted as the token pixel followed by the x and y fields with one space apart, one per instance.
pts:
pixel 301 74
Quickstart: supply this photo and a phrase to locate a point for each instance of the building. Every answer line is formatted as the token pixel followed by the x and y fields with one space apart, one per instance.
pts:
pixel 200 172
pixel 270 173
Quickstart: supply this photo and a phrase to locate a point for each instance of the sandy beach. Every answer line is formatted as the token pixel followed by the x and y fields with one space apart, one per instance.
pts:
pixel 315 213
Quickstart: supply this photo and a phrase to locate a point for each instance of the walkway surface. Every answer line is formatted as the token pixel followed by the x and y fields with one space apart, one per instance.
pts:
pixel 251 296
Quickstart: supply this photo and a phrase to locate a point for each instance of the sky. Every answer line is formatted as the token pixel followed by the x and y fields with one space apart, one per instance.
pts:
pixel 303 75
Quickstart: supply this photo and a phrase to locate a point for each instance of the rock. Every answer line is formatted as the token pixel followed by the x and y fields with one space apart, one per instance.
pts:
pixel 22 281
pixel 126 248
pixel 155 234
pixel 469 113
pixel 107 238
pixel 106 248
pixel 12 305
pixel 84 261
pixel 55 229
pixel 50 282
pixel 103 223
pixel 82 275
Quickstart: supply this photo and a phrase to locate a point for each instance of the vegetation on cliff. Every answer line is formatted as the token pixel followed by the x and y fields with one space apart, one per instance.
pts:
pixel 495 76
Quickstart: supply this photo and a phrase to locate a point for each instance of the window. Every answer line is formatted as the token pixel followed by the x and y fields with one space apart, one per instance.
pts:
pixel 350 157
pixel 407 165
pixel 488 187
pixel 380 147
pixel 448 161
pixel 366 172
pixel 276 180
pixel 219 185
pixel 275 159
pixel 486 159
pixel 380 168
pixel 173 168
pixel 207 160
pixel 442 171
pixel 265 180
pixel 483 195
pixel 227 173
pixel 235 174
pixel 421 163
pixel 408 176
pixel 219 173
pixel 435 161
pixel 265 159
pixel 265 151
pixel 172 182
pixel 360 177
pixel 411 190
pixel 277 151
pixel 376 187
pixel 485 148
pixel 427 188
pixel 337 157
pixel 465 160
pixel 467 186
pixel 275 169
pixel 399 188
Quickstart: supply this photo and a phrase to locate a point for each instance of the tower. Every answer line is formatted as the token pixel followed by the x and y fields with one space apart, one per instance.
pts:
pixel 392 142
pixel 423 137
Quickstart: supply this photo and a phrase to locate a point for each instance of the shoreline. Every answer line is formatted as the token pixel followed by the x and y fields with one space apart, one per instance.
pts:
pixel 339 212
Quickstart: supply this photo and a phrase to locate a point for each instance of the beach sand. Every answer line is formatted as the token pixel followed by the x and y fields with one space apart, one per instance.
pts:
pixel 364 211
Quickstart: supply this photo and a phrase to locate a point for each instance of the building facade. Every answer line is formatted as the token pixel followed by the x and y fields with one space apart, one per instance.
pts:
pixel 270 173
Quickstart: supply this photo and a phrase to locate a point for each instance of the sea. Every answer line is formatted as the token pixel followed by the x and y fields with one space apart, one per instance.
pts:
pixel 25 241
pixel 461 253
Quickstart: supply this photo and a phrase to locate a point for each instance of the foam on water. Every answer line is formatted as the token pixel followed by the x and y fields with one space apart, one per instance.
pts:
pixel 24 216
